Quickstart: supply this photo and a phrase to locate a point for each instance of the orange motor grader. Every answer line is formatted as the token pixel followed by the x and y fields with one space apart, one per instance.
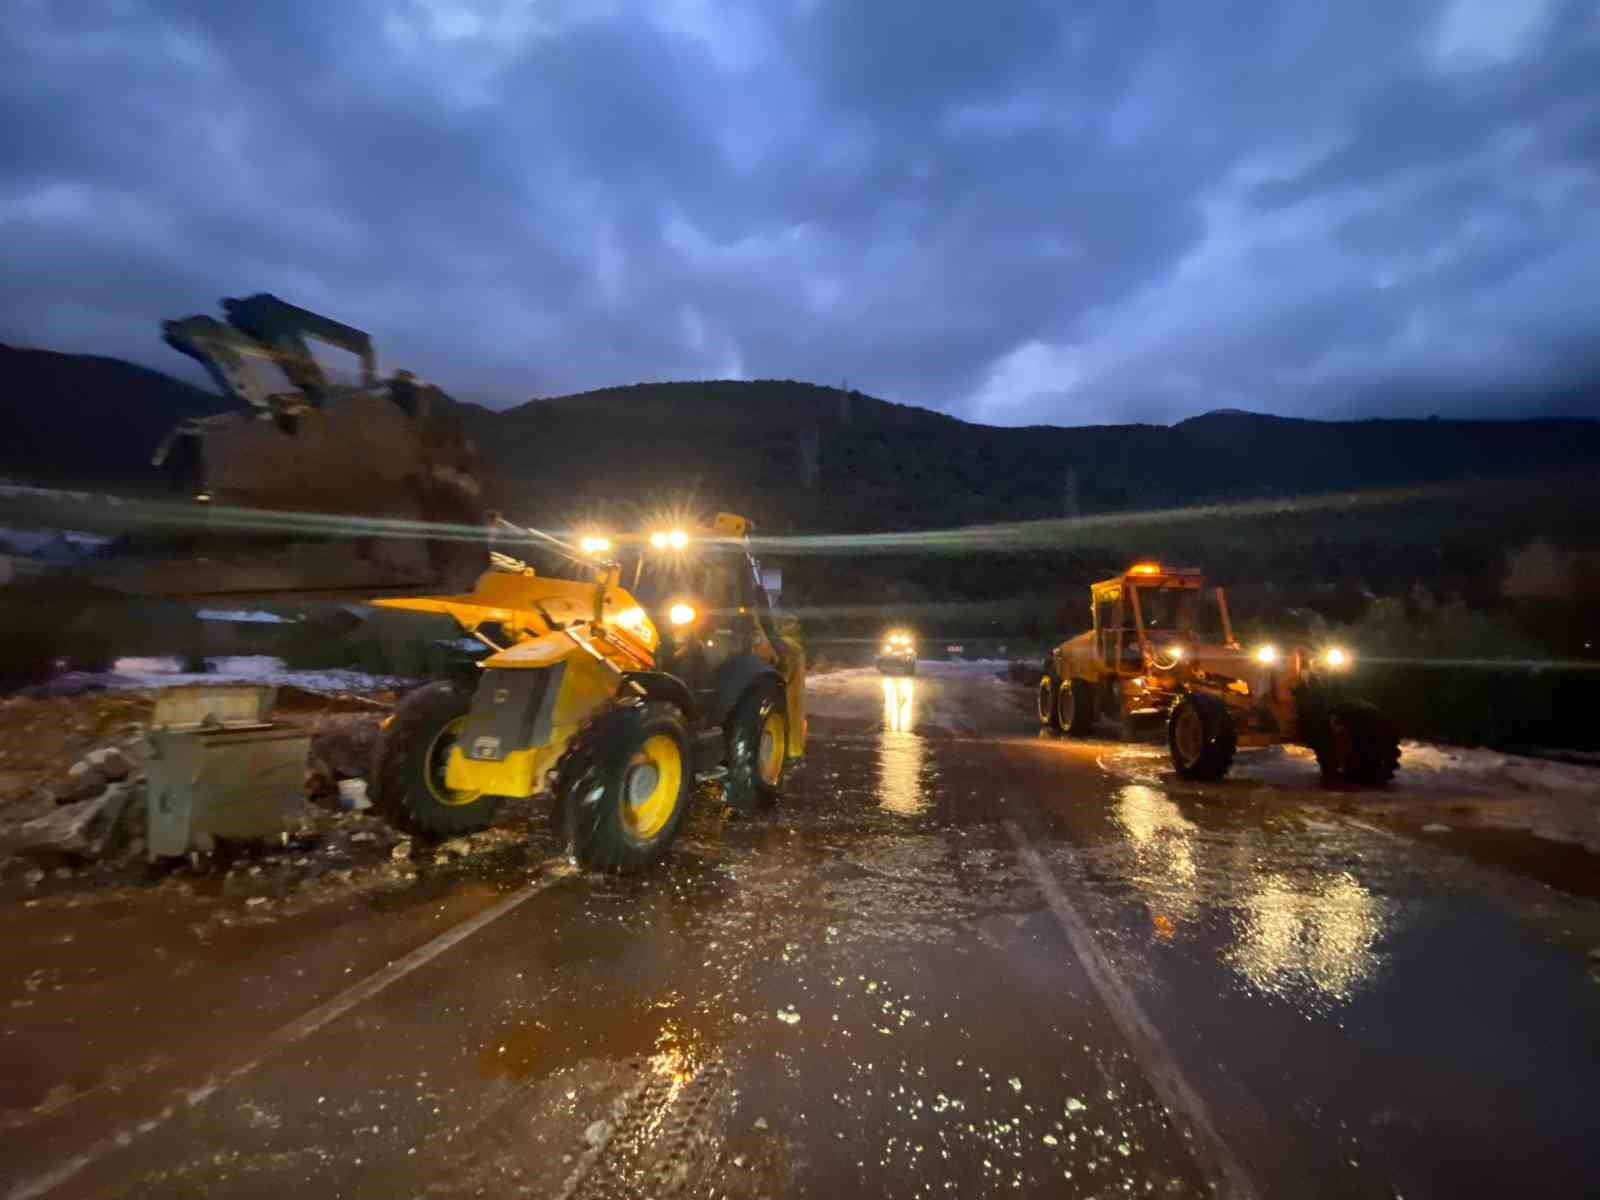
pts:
pixel 1161 647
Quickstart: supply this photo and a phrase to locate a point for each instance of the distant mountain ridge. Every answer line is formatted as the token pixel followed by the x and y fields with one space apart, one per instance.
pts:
pixel 799 457
pixel 85 420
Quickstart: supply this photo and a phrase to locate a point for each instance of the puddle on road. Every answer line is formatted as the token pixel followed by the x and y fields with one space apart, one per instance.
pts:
pixel 1308 937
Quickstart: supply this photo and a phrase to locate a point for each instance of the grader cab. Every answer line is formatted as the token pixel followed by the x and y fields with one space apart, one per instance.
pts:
pixel 1161 648
pixel 611 699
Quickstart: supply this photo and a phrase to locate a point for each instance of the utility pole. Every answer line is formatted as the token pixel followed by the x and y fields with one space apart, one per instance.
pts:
pixel 810 446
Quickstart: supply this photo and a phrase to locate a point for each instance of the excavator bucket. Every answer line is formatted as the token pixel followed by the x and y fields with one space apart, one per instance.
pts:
pixel 371 487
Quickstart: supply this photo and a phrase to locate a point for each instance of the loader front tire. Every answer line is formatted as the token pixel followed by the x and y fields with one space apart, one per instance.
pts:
pixel 1201 737
pixel 1358 744
pixel 624 784
pixel 758 739
pixel 1049 716
pixel 408 765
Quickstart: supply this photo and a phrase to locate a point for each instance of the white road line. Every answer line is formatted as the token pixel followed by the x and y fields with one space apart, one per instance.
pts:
pixel 1211 1154
pixel 281 1039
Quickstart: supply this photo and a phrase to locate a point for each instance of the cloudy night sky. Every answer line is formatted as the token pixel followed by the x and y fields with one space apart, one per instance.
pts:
pixel 1018 213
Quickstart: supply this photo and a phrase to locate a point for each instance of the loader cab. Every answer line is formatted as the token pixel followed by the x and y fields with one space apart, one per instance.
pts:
pixel 705 593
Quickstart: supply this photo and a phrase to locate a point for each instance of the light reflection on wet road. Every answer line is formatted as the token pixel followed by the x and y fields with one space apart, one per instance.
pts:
pixel 862 993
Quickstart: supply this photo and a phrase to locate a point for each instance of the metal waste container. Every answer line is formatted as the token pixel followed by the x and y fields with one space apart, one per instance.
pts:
pixel 219 768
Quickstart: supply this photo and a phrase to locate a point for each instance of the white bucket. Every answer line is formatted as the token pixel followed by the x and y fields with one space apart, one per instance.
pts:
pixel 353 795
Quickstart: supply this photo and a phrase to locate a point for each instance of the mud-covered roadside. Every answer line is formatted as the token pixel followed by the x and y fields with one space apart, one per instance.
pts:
pixel 325 853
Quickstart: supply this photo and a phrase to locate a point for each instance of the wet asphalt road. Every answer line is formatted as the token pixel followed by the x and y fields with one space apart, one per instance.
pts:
pixel 960 960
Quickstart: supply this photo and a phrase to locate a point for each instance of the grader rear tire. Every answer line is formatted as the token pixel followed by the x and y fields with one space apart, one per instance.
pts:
pixel 1075 707
pixel 1049 717
pixel 408 765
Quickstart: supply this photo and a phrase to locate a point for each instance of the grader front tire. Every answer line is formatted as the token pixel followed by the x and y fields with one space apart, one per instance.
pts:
pixel 1201 737
pixel 1359 744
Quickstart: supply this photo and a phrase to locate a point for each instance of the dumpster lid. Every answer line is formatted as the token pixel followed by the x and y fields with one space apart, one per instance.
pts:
pixel 214 706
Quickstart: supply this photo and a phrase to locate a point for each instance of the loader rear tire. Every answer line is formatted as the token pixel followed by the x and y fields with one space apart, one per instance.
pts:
pixel 1074 707
pixel 758 740
pixel 1049 716
pixel 408 765
pixel 1201 737
pixel 1359 744
pixel 623 786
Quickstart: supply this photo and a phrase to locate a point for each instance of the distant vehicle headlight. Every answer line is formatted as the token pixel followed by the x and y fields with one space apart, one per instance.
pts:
pixel 1267 655
pixel 681 614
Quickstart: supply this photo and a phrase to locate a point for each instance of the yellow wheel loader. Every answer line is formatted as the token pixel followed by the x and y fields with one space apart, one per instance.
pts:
pixel 1161 647
pixel 610 699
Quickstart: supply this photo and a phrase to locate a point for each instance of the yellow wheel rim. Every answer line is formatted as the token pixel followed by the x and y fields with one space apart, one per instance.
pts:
pixel 651 785
pixel 769 755
pixel 439 760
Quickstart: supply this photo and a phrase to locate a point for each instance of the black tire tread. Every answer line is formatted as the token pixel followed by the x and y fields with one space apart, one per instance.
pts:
pixel 1082 709
pixel 1221 739
pixel 597 838
pixel 1375 745
pixel 1053 721
pixel 400 791
pixel 742 788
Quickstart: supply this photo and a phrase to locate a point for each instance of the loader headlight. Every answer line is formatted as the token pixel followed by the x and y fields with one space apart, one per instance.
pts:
pixel 594 545
pixel 1336 657
pixel 681 614
pixel 669 539
pixel 634 620
pixel 1266 655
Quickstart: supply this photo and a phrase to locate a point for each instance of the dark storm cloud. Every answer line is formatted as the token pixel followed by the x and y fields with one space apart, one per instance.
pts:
pixel 1018 213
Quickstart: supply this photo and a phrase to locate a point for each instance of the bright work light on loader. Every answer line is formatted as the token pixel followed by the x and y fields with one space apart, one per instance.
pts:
pixel 681 614
pixel 669 539
pixel 1266 655
pixel 594 545
pixel 1336 658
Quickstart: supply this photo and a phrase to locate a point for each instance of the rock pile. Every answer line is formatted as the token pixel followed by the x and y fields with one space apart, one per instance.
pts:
pixel 99 804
